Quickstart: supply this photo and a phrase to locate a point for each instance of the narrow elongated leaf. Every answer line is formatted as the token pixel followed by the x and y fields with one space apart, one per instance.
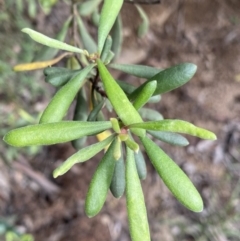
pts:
pixel 109 13
pixel 39 65
pixel 53 133
pixel 122 106
pixel 88 7
pixel 62 100
pixel 154 99
pixel 169 137
pixel 109 57
pixel 174 178
pixel 176 126
pixel 146 93
pixel 150 114
pixel 100 183
pixel 123 137
pixel 87 40
pixel 141 71
pixel 73 64
pixel 118 182
pixel 141 165
pixel 106 48
pixel 132 145
pixel 126 87
pixel 81 108
pixel 54 70
pixel 137 214
pixel 117 153
pixel 82 156
pixel 117 36
pixel 32 9
pixel 170 79
pixel 52 43
pixel 80 114
pixel 143 27
pixel 96 17
pixel 94 113
pixel 61 78
pixel 115 125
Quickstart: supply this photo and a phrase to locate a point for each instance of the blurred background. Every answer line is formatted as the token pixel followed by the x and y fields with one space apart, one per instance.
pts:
pixel 34 206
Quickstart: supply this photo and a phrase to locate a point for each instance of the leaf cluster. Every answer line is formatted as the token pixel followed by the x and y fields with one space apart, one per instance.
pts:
pixel 88 79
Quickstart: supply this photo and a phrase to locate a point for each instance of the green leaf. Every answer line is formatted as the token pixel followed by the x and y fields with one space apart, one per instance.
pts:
pixel 100 183
pixel 32 9
pixel 81 108
pixel 52 43
pixel 176 126
pixel 87 40
pixel 145 94
pixel 106 48
pixel 141 165
pixel 174 178
pixel 126 87
pixel 143 28
pixel 60 103
pixel 88 7
pixel 82 156
pixel 117 153
pixel 132 145
pixel 150 114
pixel 155 99
pixel 169 137
pixel 115 125
pixel 94 113
pixel 80 114
pixel 117 36
pixel 53 70
pixel 109 57
pixel 137 214
pixel 109 13
pixel 123 136
pixel 122 106
pixel 53 133
pixel 118 183
pixel 170 79
pixel 73 64
pixel 79 143
pixel 141 71
pixel 96 17
pixel 61 78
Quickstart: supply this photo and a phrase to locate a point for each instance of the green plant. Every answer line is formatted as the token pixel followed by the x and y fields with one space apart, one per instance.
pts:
pixel 88 69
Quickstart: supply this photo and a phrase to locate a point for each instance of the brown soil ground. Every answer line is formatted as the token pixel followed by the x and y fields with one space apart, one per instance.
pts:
pixel 206 33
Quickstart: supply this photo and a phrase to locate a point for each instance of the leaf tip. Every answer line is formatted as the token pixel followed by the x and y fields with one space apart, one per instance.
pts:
pixel 199 210
pixel 213 137
pixel 8 140
pixel 4 138
pixel 55 173
pixel 194 66
pixel 25 30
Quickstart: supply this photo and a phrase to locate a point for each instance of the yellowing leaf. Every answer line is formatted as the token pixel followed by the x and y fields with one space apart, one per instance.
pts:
pixel 39 65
